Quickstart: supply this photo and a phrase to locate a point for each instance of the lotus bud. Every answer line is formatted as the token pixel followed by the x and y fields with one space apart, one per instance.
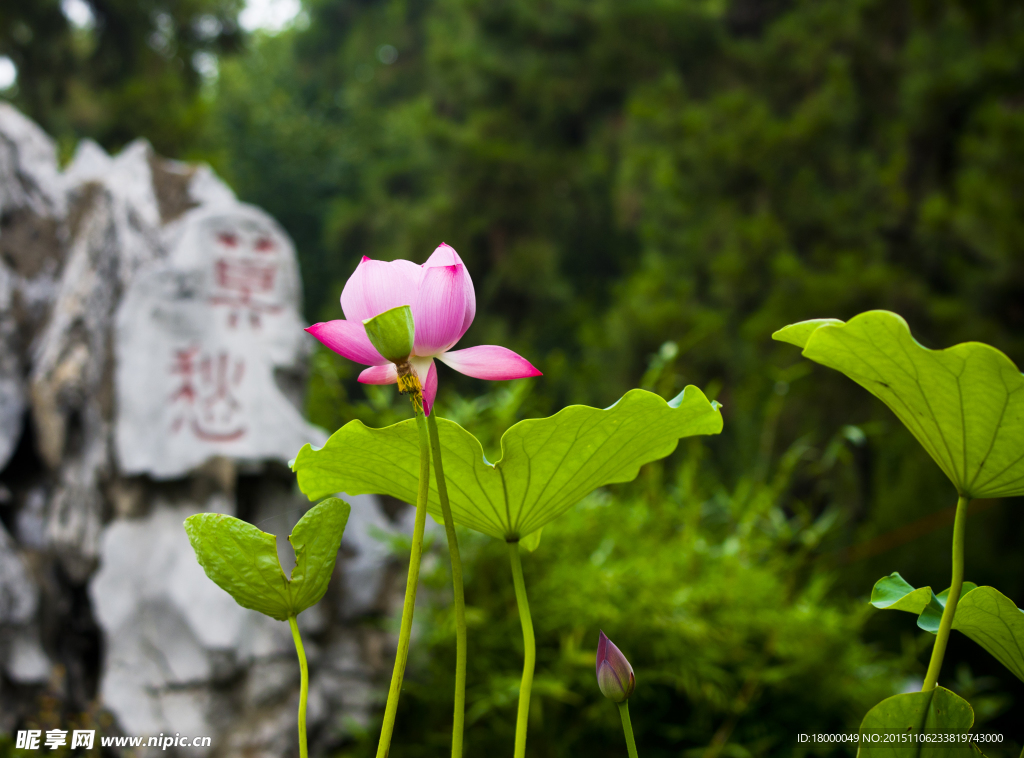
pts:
pixel 614 674
pixel 392 333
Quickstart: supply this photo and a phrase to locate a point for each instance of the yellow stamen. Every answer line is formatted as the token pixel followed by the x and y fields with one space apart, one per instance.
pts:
pixel 409 384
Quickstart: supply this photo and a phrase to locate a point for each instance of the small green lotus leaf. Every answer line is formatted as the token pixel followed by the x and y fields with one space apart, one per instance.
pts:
pixel 547 465
pixel 316 539
pixel 931 617
pixel 894 593
pixel 984 614
pixel 242 560
pixel 995 622
pixel 964 404
pixel 913 714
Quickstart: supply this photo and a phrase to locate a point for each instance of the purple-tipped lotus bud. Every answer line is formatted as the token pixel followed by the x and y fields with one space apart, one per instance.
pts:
pixel 614 674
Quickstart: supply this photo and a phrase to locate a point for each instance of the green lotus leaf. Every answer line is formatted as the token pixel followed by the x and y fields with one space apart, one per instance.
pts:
pixel 798 333
pixel 242 560
pixel 315 540
pixel 995 622
pixel 964 404
pixel 546 466
pixel 913 714
pixel 893 592
pixel 984 614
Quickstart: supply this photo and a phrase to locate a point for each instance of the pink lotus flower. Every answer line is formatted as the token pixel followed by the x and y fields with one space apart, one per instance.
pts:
pixel 443 302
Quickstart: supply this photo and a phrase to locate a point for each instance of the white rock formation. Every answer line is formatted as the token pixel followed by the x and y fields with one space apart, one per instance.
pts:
pixel 170 631
pixel 150 330
pixel 32 208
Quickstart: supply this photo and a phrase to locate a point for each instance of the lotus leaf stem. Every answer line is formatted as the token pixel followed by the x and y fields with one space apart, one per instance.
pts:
pixel 303 685
pixel 458 722
pixel 529 649
pixel 931 679
pixel 405 631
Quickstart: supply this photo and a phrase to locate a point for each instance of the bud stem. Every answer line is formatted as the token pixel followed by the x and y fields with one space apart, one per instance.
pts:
pixel 627 727
pixel 303 684
pixel 458 723
pixel 529 648
pixel 398 674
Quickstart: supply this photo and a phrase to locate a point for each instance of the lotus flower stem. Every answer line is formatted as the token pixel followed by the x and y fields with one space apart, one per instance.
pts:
pixel 931 679
pixel 303 685
pixel 458 723
pixel 411 583
pixel 529 648
pixel 627 727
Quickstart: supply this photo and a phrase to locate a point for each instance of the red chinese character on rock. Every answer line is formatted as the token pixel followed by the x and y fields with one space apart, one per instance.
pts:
pixel 245 274
pixel 206 399
pixel 184 396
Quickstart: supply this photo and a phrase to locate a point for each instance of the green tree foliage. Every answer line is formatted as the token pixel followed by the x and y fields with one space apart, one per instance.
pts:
pixel 645 190
pixel 706 170
pixel 626 176
pixel 129 68
pixel 736 647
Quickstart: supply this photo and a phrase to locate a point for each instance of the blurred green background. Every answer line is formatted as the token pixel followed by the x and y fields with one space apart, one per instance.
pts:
pixel 643 191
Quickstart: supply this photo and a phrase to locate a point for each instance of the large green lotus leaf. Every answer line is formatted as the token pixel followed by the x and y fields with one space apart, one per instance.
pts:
pixel 965 404
pixel 913 714
pixel 984 614
pixel 546 466
pixel 242 560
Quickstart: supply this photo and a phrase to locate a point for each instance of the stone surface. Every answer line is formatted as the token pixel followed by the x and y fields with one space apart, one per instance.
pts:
pixel 365 554
pixel 18 595
pixel 12 385
pixel 21 655
pixel 32 209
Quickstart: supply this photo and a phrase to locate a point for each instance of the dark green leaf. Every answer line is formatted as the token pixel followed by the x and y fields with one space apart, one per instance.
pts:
pixel 547 465
pixel 914 714
pixel 965 404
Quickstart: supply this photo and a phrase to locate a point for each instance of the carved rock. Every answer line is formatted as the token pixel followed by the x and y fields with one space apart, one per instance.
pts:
pixel 151 345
